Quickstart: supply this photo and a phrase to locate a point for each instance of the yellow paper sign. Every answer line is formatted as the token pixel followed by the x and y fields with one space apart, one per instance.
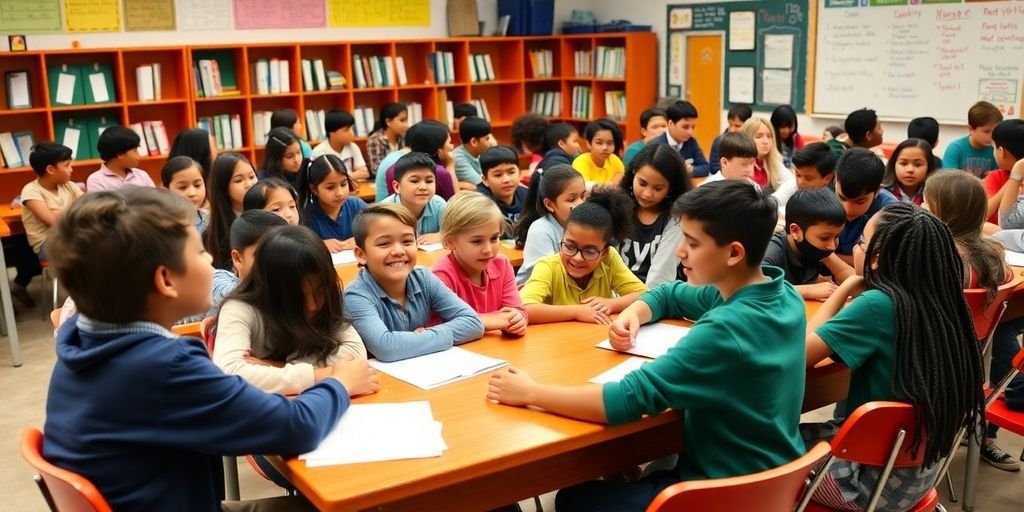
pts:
pixel 92 15
pixel 378 13
pixel 148 15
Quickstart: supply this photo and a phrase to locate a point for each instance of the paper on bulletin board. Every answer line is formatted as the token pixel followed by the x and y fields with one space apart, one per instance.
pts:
pixel 92 15
pixel 680 18
pixel 25 16
pixel 256 14
pixel 776 86
pixel 741 84
pixel 742 26
pixel 778 51
pixel 379 13
pixel 204 14
pixel 148 15
pixel 675 61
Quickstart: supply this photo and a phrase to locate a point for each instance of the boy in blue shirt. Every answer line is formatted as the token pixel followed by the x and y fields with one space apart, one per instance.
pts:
pixel 738 376
pixel 858 183
pixel 563 145
pixel 391 302
pixel 973 153
pixel 737 115
pixel 143 414
pixel 415 187
pixel 501 181
pixel 476 137
pixel 682 118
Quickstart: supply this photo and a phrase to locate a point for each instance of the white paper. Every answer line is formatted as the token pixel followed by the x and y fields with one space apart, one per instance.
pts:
pixel 676 60
pixel 204 14
pixel 343 257
pixel 431 247
pixel 776 86
pixel 439 368
pixel 1015 259
pixel 65 88
pixel 19 90
pixel 70 139
pixel 619 371
pixel 741 30
pixel 99 87
pixel 741 84
pixel 377 432
pixel 653 340
pixel 778 51
pixel 680 18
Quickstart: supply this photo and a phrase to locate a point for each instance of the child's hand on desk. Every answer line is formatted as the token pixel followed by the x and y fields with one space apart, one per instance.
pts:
pixel 585 313
pixel 431 238
pixel 516 322
pixel 622 333
pixel 361 174
pixel 598 304
pixel 820 291
pixel 356 375
pixel 511 386
pixel 335 245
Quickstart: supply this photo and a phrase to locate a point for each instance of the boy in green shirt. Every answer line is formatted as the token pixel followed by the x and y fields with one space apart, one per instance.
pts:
pixel 738 376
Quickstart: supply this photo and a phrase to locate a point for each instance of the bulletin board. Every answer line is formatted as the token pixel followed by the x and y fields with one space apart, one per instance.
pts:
pixel 765 54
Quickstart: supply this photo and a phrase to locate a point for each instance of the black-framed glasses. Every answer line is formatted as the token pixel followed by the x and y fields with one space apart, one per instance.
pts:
pixel 569 250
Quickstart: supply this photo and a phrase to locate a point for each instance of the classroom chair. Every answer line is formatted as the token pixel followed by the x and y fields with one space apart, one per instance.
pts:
pixel 208 332
pixel 55 318
pixel 775 490
pixel 63 490
pixel 48 274
pixel 878 434
pixel 995 412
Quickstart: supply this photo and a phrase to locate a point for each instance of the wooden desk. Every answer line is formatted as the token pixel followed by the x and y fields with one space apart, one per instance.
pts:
pixel 348 271
pixel 367 191
pixel 498 454
pixel 11 216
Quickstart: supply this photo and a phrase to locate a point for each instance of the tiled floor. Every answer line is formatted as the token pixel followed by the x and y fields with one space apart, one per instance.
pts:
pixel 26 387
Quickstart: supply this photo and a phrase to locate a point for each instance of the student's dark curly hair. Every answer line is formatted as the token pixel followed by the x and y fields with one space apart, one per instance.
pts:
pixel 528 132
pixel 668 163
pixel 937 358
pixel 609 210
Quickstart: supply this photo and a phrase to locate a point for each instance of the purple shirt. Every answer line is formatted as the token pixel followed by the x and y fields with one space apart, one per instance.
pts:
pixel 105 179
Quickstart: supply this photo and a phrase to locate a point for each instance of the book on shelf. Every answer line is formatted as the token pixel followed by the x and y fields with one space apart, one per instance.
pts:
pixel 400 71
pixel 214 79
pixel 271 76
pixel 335 80
pixel 547 103
pixel 226 130
pixel 24 140
pixel 11 154
pixel 65 83
pixel 481 68
pixel 373 71
pixel 147 82
pixel 443 108
pixel 314 75
pixel 364 120
pixel 98 82
pixel 442 67
pixel 581 102
pixel 583 63
pixel 615 105
pixel 542 63
pixel 261 126
pixel 415 112
pixel 162 141
pixel 481 107
pixel 610 62
pixel 315 124
pixel 147 131
pixel 140 131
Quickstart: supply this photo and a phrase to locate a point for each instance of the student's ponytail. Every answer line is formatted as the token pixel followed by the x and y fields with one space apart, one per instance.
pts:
pixel 545 184
pixel 609 210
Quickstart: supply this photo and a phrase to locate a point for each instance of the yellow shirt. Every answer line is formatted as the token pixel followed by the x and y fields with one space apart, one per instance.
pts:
pixel 592 173
pixel 550 284
pixel 35 229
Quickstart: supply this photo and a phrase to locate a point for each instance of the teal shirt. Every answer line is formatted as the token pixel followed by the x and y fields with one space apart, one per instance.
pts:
pixel 430 219
pixel 631 152
pixel 738 376
pixel 862 335
pixel 467 166
pixel 961 155
pixel 307 151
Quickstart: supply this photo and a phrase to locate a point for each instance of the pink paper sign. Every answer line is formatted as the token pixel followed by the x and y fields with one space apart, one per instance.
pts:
pixel 255 14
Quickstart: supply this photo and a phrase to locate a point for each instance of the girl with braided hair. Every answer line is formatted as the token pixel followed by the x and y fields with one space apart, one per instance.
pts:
pixel 906 339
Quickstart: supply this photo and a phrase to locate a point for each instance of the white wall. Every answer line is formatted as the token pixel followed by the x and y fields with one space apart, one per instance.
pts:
pixel 654 12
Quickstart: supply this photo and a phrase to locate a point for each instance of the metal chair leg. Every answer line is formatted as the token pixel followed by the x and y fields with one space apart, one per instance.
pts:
pixel 952 491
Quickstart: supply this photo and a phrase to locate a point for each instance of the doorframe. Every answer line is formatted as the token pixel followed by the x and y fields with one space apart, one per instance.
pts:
pixel 719 111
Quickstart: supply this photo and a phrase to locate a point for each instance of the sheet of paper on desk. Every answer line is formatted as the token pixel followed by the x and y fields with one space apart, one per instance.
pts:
pixel 431 247
pixel 619 371
pixel 653 340
pixel 1015 259
pixel 439 368
pixel 343 257
pixel 377 432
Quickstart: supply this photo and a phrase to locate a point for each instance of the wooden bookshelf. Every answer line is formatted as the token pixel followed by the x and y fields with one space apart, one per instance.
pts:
pixel 508 95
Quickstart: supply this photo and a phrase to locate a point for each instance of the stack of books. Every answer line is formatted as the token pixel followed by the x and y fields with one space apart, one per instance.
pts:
pixel 581 102
pixel 442 65
pixel 15 148
pixel 261 126
pixel 548 104
pixel 583 63
pixel 153 138
pixel 480 68
pixel 210 81
pixel 364 120
pixel 225 128
pixel 542 64
pixel 415 112
pixel 315 77
pixel 615 105
pixel 271 76
pixel 147 82
pixel 610 62
pixel 315 125
pixel 372 71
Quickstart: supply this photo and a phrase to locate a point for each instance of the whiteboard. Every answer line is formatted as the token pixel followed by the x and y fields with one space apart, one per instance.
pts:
pixel 919 60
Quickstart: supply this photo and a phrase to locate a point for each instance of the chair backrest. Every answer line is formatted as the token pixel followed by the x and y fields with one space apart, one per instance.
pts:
pixel 208 332
pixel 191 329
pixel 869 434
pixel 55 318
pixel 774 490
pixel 1017 368
pixel 63 490
pixel 987 315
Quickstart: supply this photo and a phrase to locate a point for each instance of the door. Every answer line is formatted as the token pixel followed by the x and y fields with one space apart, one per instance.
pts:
pixel 704 85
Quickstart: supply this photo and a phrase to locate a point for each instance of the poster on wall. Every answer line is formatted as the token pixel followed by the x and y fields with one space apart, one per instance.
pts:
pixel 676 61
pixel 142 15
pixel 778 51
pixel 776 87
pixel 256 14
pixel 26 16
pixel 92 15
pixel 741 84
pixel 681 18
pixel 742 30
pixel 379 13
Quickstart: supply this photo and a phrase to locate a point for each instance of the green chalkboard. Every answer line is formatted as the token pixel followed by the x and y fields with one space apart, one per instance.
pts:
pixel 773 18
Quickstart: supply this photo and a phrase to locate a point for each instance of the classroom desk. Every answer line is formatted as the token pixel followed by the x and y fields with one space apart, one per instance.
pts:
pixel 499 454
pixel 11 215
pixel 348 271
pixel 8 306
pixel 367 191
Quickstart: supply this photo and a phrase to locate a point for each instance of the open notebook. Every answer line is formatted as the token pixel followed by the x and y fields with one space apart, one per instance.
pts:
pixel 440 368
pixel 653 340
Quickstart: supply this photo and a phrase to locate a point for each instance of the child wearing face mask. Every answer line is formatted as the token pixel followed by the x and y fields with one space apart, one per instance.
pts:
pixel 805 250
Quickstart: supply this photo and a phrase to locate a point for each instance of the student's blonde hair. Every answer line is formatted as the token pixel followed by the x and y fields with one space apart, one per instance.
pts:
pixel 773 162
pixel 467 210
pixel 361 224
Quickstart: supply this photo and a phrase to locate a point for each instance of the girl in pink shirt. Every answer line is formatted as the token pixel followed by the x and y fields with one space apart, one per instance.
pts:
pixel 471 226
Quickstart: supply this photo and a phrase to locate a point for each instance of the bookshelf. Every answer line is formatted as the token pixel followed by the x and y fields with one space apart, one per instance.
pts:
pixel 517 77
